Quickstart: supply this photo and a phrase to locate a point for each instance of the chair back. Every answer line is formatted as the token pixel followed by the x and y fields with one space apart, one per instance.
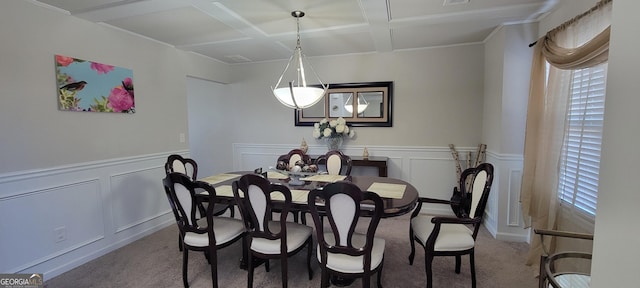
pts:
pixel 294 156
pixel 342 202
pixel 254 195
pixel 480 189
pixel 482 178
pixel 177 163
pixel 336 163
pixel 185 203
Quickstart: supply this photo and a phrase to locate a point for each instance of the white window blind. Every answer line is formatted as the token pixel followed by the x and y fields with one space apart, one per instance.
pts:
pixel 580 162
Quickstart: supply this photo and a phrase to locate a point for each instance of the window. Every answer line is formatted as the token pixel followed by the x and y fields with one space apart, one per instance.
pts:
pixel 580 159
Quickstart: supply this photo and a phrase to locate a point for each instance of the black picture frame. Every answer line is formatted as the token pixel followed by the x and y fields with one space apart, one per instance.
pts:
pixel 378 115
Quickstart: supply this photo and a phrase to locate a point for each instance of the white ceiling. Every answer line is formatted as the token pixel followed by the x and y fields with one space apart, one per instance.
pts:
pixel 235 31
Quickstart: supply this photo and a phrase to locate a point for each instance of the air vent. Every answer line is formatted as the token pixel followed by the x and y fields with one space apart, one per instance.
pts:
pixel 238 58
pixel 454 2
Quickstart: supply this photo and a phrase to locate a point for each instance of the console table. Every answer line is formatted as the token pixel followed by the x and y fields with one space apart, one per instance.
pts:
pixel 372 161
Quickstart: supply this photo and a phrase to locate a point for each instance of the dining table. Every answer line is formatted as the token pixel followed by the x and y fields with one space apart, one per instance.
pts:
pixel 398 196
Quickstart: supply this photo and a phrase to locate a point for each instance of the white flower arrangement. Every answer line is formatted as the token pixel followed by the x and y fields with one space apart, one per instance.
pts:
pixel 332 128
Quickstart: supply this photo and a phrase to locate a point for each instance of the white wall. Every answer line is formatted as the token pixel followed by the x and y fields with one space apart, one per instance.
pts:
pixel 208 128
pixel 506 74
pixel 615 256
pixel 438 95
pixel 37 135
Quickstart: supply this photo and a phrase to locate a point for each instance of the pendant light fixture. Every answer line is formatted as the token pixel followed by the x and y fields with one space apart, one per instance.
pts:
pixel 298 93
pixel 361 105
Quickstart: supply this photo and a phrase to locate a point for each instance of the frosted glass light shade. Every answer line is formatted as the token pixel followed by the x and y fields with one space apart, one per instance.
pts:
pixel 304 96
pixel 361 108
pixel 298 94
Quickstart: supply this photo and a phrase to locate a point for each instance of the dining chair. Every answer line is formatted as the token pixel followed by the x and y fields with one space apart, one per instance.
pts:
pixel 189 167
pixel 268 239
pixel 560 269
pixel 451 236
pixel 207 234
pixel 342 251
pixel 294 156
pixel 335 162
pixel 291 159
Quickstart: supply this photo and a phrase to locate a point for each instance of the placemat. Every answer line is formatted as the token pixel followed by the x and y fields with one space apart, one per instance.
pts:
pixel 324 178
pixel 215 179
pixel 276 175
pixel 224 191
pixel 388 190
pixel 297 196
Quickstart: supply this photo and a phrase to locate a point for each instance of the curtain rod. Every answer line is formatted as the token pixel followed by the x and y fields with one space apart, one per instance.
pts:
pixel 574 19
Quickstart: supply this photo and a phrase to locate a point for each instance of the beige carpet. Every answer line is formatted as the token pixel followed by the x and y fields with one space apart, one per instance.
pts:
pixel 155 261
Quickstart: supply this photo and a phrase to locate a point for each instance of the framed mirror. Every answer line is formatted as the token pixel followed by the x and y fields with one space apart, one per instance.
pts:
pixel 361 104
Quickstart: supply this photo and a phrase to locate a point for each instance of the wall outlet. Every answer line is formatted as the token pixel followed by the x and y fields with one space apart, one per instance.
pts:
pixel 60 234
pixel 181 137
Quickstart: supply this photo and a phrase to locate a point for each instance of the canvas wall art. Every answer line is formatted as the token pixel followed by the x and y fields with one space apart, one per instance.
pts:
pixel 93 87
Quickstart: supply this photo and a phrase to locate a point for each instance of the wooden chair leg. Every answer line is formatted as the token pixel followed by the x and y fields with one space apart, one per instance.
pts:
pixel 473 270
pixel 428 259
pixel 413 246
pixel 284 269
pixel 185 260
pixel 250 269
pixel 309 249
pixel 458 262
pixel 380 274
pixel 324 280
pixel 213 259
pixel 366 281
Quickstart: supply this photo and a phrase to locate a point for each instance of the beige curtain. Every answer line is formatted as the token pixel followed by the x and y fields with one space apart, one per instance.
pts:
pixel 579 43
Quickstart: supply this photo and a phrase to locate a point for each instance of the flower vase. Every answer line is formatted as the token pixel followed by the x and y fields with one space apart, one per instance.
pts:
pixel 333 143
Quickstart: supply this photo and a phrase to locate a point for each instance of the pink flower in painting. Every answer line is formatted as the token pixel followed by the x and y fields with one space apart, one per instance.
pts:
pixel 120 100
pixel 64 60
pixel 101 68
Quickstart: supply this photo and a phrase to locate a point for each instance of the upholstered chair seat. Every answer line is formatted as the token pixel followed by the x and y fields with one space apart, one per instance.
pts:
pixel 354 264
pixel 452 237
pixel 226 229
pixel 296 237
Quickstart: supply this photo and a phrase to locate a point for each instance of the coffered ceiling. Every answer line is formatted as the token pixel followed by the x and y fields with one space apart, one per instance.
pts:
pixel 235 31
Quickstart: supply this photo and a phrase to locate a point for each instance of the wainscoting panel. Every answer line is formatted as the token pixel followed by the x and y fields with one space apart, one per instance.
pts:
pixel 56 229
pixel 515 212
pixel 138 196
pixel 57 218
pixel 503 210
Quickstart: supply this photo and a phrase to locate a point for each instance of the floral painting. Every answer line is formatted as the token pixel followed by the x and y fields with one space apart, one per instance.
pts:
pixel 93 87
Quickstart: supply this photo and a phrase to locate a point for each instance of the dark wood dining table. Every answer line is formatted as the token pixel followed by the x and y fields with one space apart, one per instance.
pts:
pixel 392 207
